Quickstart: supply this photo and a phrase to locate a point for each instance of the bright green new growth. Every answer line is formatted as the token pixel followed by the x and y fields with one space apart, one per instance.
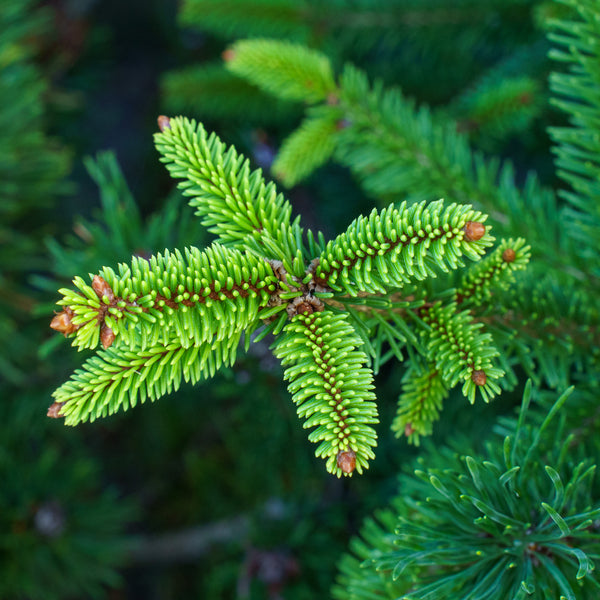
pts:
pixel 420 403
pixel 396 246
pixel 331 385
pixel 201 297
pixel 494 272
pixel 294 72
pixel 460 352
pixel 309 147
pixel 180 316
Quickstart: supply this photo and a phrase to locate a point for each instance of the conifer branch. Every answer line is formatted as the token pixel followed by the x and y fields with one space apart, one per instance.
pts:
pixel 399 245
pixel 183 315
pixel 331 387
pixel 235 203
pixel 420 403
pixel 290 71
pixel 211 294
pixel 119 378
pixel 493 272
pixel 397 149
pixel 577 46
pixel 481 529
pixel 459 351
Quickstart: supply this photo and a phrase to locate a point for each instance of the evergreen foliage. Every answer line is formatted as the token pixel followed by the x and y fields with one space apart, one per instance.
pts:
pixel 176 317
pixel 398 149
pixel 62 532
pixel 62 526
pixel 577 44
pixel 516 520
pixel 32 165
pixel 419 280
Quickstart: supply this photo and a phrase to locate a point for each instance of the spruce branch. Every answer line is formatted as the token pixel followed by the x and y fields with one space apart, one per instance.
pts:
pixel 119 378
pixel 420 402
pixel 459 351
pixel 183 314
pixel 398 149
pixel 395 246
pixel 493 272
pixel 204 295
pixel 475 526
pixel 309 147
pixel 291 71
pixel 235 203
pixel 331 387
pixel 577 45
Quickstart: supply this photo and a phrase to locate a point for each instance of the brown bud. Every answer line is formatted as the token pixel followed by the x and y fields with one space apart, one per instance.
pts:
pixel 164 123
pixel 54 410
pixel 346 460
pixel 474 231
pixel 107 336
pixel 478 377
pixel 509 255
pixel 228 55
pixel 62 323
pixel 409 430
pixel 304 308
pixel 102 288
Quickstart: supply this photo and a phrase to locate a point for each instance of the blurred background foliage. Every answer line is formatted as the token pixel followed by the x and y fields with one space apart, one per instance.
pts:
pixel 213 493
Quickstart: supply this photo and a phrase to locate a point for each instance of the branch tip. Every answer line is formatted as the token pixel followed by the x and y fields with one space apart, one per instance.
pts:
pixel 474 230
pixel 228 55
pixel 346 460
pixel 164 123
pixel 509 255
pixel 478 377
pixel 62 323
pixel 54 410
pixel 409 430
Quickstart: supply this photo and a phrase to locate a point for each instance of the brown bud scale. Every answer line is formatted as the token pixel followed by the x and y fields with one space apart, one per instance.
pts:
pixel 346 460
pixel 478 377
pixel 164 123
pixel 107 336
pixel 333 99
pixel 62 322
pixel 54 410
pixel 509 255
pixel 474 230
pixel 102 288
pixel 228 55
